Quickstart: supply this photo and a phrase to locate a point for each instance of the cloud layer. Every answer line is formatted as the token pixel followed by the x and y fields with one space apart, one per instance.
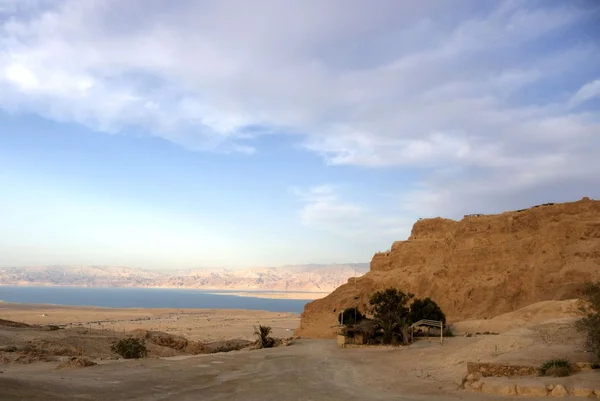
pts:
pixel 495 107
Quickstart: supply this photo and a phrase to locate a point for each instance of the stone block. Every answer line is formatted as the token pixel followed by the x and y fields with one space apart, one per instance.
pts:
pixel 582 392
pixel 532 388
pixel 476 385
pixel 559 391
pixel 499 387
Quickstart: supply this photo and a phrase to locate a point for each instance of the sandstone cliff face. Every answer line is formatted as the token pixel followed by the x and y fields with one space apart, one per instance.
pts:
pixel 481 266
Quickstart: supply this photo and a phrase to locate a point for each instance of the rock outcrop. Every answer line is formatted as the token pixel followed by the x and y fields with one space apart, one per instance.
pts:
pixel 481 266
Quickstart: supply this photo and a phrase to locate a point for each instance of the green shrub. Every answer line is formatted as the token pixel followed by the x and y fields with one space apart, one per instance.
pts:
pixel 390 312
pixel 130 348
pixel 426 308
pixel 263 338
pixel 350 317
pixel 555 367
pixel 448 333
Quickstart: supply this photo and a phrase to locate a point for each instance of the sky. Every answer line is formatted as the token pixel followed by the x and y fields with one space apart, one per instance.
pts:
pixel 229 133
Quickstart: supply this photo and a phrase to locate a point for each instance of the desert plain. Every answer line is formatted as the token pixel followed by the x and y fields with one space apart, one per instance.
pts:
pixel 31 350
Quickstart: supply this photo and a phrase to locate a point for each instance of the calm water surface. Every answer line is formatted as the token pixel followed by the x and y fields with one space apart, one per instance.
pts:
pixel 144 298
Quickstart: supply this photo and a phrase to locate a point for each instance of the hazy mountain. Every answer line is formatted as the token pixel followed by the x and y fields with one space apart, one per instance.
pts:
pixel 314 277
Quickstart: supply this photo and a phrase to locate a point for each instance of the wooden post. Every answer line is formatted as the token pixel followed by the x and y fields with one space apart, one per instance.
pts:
pixel 442 333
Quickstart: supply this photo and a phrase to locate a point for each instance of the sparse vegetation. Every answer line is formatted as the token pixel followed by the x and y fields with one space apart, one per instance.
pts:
pixel 263 336
pixel 130 348
pixel 76 362
pixel 555 368
pixel 590 323
pixel 391 313
pixel 595 366
pixel 10 348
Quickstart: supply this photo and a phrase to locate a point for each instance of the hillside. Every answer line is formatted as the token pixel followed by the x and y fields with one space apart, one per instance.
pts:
pixel 481 266
pixel 312 278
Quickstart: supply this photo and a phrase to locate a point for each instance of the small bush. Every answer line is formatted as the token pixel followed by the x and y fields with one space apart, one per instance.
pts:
pixel 448 333
pixel 130 348
pixel 595 366
pixel 558 371
pixel 10 348
pixel 555 367
pixel 263 337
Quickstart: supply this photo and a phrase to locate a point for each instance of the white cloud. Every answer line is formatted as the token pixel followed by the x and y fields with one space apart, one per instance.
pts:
pixel 469 97
pixel 587 92
pixel 323 208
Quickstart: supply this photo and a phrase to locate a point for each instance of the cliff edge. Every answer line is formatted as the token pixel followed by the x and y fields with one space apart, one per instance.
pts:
pixel 479 267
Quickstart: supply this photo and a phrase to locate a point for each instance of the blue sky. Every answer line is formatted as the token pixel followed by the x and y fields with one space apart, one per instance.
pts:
pixel 226 133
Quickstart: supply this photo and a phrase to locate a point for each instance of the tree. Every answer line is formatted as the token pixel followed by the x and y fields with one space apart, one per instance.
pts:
pixel 590 323
pixel 426 308
pixel 263 338
pixel 391 313
pixel 350 316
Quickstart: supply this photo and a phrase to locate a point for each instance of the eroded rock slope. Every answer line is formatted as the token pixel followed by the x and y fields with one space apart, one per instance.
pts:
pixel 481 266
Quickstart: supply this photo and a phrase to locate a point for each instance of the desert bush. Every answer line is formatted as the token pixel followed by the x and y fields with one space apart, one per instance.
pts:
pixel 130 348
pixel 350 316
pixel 590 323
pixel 595 366
pixel 555 367
pixel 426 308
pixel 448 333
pixel 263 338
pixel 10 348
pixel 391 314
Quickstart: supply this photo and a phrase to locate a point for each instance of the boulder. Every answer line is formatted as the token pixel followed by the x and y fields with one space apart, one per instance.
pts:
pixel 476 385
pixel 559 391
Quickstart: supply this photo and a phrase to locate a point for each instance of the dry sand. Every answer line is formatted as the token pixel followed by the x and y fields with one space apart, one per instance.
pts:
pixel 306 370
pixel 194 324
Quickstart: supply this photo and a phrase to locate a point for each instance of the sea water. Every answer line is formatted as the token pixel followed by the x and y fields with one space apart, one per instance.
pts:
pixel 145 298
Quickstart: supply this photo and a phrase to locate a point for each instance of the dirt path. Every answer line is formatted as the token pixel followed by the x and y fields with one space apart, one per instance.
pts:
pixel 308 370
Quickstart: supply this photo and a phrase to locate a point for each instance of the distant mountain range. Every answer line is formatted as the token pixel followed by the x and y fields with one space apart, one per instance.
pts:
pixel 312 278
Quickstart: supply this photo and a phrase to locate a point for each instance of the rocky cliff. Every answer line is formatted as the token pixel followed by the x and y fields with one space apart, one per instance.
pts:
pixel 481 266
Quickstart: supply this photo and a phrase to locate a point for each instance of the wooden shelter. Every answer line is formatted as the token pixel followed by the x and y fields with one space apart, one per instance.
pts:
pixel 428 323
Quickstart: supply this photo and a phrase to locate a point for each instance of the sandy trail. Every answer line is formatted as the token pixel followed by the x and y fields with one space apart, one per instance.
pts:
pixel 308 370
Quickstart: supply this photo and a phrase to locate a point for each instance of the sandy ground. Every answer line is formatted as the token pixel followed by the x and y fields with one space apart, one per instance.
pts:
pixel 194 324
pixel 306 370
